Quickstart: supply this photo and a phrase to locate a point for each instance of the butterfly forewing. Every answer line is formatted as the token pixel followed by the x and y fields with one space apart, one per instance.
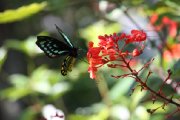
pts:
pixel 66 39
pixel 52 47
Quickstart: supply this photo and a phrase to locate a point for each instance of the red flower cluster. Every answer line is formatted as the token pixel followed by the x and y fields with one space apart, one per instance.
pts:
pixel 136 36
pixel 109 50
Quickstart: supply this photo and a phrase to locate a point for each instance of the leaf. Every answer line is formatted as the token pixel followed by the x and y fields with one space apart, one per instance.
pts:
pixel 150 105
pixel 176 70
pixel 99 28
pixel 19 89
pixel 27 46
pixel 103 114
pixel 21 13
pixel 18 80
pixel 48 82
pixel 77 117
pixel 141 113
pixel 3 55
pixel 14 93
pixel 121 88
pixel 137 97
pixel 28 114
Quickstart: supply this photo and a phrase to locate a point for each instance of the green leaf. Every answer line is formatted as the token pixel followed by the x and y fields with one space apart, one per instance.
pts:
pixel 77 117
pixel 121 88
pixel 14 93
pixel 92 32
pixel 28 114
pixel 48 82
pixel 19 89
pixel 21 13
pixel 150 105
pixel 141 113
pixel 103 114
pixel 18 80
pixel 137 97
pixel 3 55
pixel 176 70
pixel 28 46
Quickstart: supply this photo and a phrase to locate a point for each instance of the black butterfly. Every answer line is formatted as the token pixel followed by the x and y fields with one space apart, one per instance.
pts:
pixel 54 48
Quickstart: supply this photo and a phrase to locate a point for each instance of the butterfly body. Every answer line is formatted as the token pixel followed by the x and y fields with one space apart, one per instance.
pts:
pixel 55 48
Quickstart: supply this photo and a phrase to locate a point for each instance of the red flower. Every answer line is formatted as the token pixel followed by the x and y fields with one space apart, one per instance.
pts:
pixel 165 22
pixel 172 26
pixel 94 59
pixel 154 18
pixel 137 52
pixel 108 42
pixel 108 50
pixel 136 36
pixel 173 29
pixel 139 35
pixel 172 53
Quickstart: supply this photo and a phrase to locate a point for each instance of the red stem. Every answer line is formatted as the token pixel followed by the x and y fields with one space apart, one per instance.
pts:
pixel 145 85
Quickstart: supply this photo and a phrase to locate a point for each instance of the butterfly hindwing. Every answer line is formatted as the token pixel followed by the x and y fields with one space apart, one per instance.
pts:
pixel 52 47
pixel 66 39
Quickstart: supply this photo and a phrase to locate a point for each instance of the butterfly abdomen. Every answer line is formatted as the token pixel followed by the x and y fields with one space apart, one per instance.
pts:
pixel 67 65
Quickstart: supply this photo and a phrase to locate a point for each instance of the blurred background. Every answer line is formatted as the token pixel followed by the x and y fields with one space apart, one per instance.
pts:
pixel 30 81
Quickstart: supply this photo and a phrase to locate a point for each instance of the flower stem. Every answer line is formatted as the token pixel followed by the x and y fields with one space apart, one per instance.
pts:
pixel 148 88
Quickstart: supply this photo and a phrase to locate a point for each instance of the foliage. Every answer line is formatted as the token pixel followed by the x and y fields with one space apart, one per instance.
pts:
pixel 21 13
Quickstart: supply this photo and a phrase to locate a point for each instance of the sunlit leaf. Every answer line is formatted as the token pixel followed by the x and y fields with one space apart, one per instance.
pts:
pixel 27 46
pixel 21 12
pixel 103 114
pixel 92 32
pixel 3 55
pixel 137 97
pixel 77 117
pixel 18 80
pixel 150 105
pixel 42 80
pixel 14 93
pixel 120 109
pixel 48 82
pixel 141 113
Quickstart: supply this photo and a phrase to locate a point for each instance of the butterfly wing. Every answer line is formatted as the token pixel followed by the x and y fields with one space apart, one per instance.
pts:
pixel 66 39
pixel 67 65
pixel 52 47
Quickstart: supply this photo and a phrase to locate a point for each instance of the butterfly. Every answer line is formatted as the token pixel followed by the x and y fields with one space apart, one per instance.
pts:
pixel 55 48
